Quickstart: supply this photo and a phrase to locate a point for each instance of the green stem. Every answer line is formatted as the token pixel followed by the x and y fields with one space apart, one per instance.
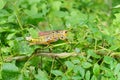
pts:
pixel 26 63
pixel 61 44
pixel 1 54
pixel 52 67
pixel 17 16
pixel 95 44
pixel 19 22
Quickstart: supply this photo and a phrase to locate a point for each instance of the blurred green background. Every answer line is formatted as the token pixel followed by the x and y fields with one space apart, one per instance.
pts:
pixel 93 28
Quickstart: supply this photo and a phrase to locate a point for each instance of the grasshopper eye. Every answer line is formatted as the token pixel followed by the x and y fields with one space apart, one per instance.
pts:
pixel 66 31
pixel 53 32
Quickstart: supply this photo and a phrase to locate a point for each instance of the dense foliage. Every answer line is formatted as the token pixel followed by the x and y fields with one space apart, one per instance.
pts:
pixel 93 33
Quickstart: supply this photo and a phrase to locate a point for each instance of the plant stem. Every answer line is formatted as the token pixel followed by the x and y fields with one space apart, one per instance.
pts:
pixel 52 66
pixel 25 65
pixel 17 16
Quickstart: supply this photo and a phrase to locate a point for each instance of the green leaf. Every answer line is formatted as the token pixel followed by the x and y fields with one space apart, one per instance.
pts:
pixel 118 6
pixel 35 61
pixel 107 59
pixel 76 69
pixel 4 29
pixel 82 71
pixel 70 36
pixel 76 61
pixel 64 77
pixel 0 75
pixel 21 47
pixel 87 75
pixel 23 77
pixel 10 36
pixel 2 3
pixel 77 50
pixel 118 76
pixel 117 69
pixel 10 67
pixel 76 77
pixel 9 71
pixel 109 73
pixel 25 49
pixel 96 69
pixel 113 64
pixel 116 21
pixel 76 18
pixel 33 12
pixel 96 32
pixel 86 65
pixel 79 70
pixel 69 64
pixel 33 32
pixel 33 1
pixel 41 75
pixel 11 43
pixel 93 54
pixel 57 72
pixel 94 77
pixel 56 5
pixel 5 49
pixel 114 47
